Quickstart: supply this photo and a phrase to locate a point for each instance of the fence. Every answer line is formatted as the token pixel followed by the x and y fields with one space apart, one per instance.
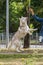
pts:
pixel 34 39
pixel 3 37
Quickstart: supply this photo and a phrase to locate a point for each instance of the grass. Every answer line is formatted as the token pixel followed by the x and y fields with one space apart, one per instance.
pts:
pixel 22 59
pixel 15 56
pixel 4 56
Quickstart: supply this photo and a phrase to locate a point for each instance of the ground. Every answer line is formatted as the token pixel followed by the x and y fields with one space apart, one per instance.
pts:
pixel 33 57
pixel 22 61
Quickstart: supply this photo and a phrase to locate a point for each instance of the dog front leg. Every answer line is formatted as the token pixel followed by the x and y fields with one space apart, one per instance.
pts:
pixel 32 29
pixel 30 33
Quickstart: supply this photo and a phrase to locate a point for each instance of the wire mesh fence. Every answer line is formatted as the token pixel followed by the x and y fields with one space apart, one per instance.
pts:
pixel 34 39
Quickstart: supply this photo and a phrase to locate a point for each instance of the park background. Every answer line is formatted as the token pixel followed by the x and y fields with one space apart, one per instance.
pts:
pixel 17 8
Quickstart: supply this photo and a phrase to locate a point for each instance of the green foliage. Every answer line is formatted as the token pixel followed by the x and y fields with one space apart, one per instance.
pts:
pixel 17 8
pixel 2 15
pixel 31 26
pixel 15 13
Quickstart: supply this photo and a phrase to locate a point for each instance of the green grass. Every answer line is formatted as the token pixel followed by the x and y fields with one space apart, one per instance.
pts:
pixel 19 56
pixel 25 59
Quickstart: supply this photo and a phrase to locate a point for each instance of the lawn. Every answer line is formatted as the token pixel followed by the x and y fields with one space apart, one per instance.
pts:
pixel 21 59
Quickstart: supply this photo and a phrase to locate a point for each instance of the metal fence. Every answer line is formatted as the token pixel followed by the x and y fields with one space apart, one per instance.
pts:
pixel 34 39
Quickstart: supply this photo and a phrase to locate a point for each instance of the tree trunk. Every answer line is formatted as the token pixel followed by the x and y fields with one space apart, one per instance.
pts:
pixel 26 41
pixel 27 37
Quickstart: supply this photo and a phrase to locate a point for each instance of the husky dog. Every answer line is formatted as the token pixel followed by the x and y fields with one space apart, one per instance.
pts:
pixel 21 32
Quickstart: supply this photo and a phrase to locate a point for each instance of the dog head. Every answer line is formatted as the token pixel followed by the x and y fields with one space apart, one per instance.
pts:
pixel 23 21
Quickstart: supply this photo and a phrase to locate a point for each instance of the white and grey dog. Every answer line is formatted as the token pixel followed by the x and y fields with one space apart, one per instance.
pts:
pixel 21 32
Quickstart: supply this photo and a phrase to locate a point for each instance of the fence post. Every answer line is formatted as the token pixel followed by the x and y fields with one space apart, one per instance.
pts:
pixel 37 37
pixel 7 22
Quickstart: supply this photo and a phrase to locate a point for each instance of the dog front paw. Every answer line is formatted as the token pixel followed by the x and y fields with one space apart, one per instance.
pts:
pixel 22 49
pixel 30 33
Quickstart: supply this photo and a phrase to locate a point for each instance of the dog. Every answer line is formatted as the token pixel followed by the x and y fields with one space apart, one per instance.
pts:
pixel 21 33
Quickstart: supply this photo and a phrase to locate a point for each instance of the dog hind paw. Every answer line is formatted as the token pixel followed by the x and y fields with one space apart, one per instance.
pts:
pixel 18 50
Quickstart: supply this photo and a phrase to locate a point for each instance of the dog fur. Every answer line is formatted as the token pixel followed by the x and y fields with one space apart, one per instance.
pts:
pixel 21 33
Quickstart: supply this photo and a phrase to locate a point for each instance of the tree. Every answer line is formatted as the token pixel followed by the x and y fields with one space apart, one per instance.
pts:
pixel 15 13
pixel 17 9
pixel 2 15
pixel 27 37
